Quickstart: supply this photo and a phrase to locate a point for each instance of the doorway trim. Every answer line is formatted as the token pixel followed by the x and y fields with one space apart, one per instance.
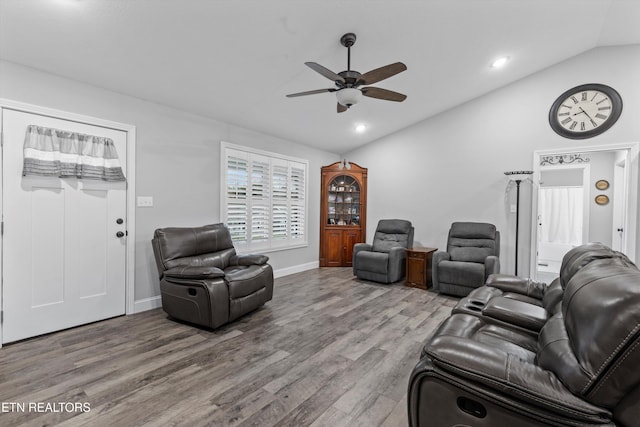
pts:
pixel 631 193
pixel 130 130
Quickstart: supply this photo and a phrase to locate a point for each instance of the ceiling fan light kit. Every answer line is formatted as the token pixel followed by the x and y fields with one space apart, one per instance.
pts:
pixel 348 96
pixel 348 91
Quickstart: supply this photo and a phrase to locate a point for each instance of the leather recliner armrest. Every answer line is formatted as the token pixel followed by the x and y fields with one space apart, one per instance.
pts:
pixel 248 259
pixel 516 312
pixel 501 372
pixel 491 265
pixel 519 285
pixel 193 273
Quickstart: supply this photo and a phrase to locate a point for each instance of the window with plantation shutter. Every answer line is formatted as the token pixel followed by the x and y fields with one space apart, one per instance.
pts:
pixel 263 198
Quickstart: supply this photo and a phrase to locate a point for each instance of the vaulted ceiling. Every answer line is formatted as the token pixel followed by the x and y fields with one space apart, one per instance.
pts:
pixel 235 60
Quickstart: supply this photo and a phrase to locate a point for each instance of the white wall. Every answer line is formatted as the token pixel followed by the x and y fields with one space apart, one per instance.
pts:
pixel 451 167
pixel 177 161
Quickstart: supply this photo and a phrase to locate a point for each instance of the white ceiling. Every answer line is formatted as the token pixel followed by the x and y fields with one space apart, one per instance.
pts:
pixel 235 60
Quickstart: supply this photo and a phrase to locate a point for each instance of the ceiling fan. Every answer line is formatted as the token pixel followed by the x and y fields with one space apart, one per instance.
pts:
pixel 348 90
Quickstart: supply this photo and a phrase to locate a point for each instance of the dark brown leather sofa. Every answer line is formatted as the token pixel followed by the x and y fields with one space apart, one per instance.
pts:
pixel 580 368
pixel 203 280
pixel 526 304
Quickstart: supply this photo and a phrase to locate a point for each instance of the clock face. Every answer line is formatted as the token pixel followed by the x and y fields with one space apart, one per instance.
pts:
pixel 585 111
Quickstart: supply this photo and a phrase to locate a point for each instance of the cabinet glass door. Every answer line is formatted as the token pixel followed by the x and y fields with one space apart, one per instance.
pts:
pixel 344 201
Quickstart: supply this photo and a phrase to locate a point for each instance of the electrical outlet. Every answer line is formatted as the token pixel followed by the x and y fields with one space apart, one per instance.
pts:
pixel 513 208
pixel 145 201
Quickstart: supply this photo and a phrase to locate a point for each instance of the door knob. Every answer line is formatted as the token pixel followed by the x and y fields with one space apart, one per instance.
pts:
pixel 119 221
pixel 119 234
pixel 620 230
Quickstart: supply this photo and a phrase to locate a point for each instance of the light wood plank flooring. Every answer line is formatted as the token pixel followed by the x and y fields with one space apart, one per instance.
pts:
pixel 328 350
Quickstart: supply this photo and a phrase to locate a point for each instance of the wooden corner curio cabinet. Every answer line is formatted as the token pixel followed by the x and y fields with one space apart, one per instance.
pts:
pixel 343 216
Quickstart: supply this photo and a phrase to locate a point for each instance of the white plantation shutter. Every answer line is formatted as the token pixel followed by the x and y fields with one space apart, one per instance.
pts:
pixel 280 200
pixel 298 201
pixel 264 202
pixel 260 200
pixel 237 182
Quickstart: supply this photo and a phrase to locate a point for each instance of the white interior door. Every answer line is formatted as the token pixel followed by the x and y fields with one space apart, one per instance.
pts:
pixel 62 262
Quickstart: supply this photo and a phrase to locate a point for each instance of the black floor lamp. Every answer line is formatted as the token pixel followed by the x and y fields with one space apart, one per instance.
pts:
pixel 517 177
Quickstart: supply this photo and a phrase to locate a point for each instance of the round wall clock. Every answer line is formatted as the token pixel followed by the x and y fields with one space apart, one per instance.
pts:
pixel 585 111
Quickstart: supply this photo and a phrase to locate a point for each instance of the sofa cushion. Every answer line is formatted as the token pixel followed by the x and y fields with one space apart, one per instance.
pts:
pixel 469 253
pixel 391 233
pixel 473 230
pixel 375 262
pixel 461 273
pixel 582 255
pixel 602 320
pixel 472 241
pixel 193 246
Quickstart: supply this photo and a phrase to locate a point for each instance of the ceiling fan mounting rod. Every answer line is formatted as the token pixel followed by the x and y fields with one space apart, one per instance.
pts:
pixel 347 41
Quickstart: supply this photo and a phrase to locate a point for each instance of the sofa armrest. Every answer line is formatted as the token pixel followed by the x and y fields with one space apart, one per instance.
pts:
pixel 362 247
pixel 491 266
pixel 438 256
pixel 507 374
pixel 248 259
pixel 359 247
pixel 176 274
pixel 518 285
pixel 397 267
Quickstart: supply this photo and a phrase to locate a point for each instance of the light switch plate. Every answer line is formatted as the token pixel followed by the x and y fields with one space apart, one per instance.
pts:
pixel 513 208
pixel 145 201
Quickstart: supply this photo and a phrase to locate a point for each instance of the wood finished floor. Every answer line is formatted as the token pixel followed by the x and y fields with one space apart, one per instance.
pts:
pixel 328 350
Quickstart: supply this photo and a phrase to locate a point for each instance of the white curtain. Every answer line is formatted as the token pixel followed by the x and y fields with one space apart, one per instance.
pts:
pixel 63 154
pixel 560 215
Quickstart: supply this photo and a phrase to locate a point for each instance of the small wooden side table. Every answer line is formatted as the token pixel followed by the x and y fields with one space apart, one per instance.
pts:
pixel 419 267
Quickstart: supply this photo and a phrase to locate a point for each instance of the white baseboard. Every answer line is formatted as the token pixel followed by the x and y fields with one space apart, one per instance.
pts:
pixel 296 269
pixel 147 304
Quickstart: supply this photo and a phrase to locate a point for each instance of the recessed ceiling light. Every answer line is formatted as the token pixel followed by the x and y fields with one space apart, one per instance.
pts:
pixel 361 128
pixel 500 62
pixel 69 2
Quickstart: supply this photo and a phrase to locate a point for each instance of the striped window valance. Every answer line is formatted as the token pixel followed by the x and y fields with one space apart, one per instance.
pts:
pixel 64 154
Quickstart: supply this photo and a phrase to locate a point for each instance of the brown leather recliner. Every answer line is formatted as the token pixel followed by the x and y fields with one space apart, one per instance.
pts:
pixel 580 370
pixel 203 280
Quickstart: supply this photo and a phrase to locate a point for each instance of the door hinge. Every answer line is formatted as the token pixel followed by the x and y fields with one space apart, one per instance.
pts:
pixel 2 228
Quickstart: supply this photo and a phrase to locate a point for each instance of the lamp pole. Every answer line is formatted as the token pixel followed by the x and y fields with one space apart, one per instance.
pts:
pixel 517 177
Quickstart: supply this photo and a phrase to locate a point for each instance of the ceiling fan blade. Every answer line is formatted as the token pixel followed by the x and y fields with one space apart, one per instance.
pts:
pixel 387 95
pixel 310 92
pixel 325 72
pixel 381 73
pixel 341 108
